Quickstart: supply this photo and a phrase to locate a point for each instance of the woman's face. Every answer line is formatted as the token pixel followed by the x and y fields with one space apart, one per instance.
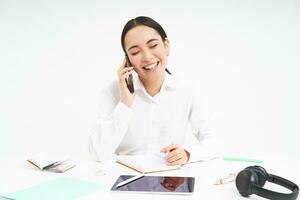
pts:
pixel 147 53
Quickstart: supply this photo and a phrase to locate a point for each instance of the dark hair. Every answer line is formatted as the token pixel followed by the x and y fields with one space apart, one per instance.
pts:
pixel 146 21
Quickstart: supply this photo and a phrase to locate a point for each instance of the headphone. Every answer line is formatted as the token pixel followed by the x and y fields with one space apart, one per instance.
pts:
pixel 252 179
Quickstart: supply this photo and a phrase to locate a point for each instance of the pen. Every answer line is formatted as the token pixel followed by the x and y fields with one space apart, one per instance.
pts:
pixel 51 165
pixel 242 159
pixel 129 180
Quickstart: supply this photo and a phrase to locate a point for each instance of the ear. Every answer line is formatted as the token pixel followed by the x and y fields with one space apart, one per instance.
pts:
pixel 167 46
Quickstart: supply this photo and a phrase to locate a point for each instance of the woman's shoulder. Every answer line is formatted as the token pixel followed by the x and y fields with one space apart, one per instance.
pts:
pixel 190 87
pixel 184 83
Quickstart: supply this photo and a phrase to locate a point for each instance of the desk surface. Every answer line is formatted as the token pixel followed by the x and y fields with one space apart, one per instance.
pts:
pixel 16 174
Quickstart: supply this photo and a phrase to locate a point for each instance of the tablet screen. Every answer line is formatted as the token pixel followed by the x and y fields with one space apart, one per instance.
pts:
pixel 157 184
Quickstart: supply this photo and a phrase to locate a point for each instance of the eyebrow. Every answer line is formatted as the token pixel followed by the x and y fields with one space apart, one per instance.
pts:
pixel 135 46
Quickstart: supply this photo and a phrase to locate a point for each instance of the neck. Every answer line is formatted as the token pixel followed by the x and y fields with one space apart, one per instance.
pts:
pixel 153 88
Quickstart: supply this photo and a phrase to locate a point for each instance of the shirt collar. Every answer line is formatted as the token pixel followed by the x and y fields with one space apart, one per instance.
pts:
pixel 169 82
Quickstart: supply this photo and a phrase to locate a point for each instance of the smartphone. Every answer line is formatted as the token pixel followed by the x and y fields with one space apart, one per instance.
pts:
pixel 129 80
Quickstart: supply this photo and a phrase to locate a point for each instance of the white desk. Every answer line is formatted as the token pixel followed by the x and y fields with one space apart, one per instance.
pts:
pixel 16 174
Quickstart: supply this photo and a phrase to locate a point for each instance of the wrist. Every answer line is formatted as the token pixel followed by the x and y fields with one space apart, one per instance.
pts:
pixel 127 103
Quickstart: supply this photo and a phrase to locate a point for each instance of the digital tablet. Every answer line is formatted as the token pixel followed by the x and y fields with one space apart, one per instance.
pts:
pixel 155 184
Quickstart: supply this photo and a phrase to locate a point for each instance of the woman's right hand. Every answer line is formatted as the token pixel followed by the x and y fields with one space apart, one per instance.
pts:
pixel 126 96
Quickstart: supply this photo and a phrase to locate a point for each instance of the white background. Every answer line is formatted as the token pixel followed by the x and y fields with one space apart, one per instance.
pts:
pixel 55 57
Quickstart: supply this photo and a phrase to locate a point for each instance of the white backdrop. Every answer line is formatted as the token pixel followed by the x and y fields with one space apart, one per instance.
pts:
pixel 55 56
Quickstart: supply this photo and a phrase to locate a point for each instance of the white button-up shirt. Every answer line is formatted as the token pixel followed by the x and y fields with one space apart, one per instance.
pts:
pixel 152 123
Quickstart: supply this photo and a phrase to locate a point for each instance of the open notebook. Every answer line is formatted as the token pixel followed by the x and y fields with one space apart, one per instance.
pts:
pixel 147 163
pixel 58 164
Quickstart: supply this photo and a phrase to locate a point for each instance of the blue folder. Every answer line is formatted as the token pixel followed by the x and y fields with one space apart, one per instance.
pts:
pixel 59 189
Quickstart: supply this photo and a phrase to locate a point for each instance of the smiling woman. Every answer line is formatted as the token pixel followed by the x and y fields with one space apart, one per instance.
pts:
pixel 147 53
pixel 155 117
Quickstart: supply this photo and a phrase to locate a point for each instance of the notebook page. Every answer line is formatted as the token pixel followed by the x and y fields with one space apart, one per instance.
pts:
pixel 146 163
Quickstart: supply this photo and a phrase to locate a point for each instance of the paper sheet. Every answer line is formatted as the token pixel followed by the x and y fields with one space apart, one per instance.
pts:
pixel 146 163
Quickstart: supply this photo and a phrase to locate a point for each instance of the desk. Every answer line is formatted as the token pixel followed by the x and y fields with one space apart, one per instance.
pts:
pixel 16 174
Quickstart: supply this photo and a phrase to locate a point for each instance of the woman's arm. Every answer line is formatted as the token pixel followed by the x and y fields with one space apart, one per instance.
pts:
pixel 208 145
pixel 114 117
pixel 110 128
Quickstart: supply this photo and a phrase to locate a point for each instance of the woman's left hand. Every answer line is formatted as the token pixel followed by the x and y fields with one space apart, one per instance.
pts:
pixel 176 154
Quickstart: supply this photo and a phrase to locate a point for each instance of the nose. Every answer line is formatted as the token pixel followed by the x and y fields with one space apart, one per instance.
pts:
pixel 147 56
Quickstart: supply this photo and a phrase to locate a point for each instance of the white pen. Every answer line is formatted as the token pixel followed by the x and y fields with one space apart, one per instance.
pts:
pixel 129 180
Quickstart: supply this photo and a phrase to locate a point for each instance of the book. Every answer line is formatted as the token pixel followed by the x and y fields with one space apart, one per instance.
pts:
pixel 147 163
pixel 51 163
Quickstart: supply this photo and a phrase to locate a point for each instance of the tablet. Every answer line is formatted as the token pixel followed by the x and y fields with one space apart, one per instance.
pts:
pixel 156 184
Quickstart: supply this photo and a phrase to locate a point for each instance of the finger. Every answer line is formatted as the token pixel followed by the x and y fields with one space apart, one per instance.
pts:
pixel 180 156
pixel 173 153
pixel 175 157
pixel 125 73
pixel 123 65
pixel 124 70
pixel 178 162
pixel 124 81
pixel 169 148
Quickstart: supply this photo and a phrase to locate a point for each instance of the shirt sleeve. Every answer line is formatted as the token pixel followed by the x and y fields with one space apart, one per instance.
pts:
pixel 207 146
pixel 110 128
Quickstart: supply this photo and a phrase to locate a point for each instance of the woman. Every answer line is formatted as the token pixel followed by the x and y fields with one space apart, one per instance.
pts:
pixel 156 116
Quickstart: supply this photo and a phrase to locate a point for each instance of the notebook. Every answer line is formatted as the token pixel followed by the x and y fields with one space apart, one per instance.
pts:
pixel 147 163
pixel 58 164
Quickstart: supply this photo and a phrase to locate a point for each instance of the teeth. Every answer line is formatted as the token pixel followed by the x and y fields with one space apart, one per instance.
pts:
pixel 151 66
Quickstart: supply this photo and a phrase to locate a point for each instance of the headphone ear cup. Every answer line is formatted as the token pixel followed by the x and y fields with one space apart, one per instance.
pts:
pixel 261 173
pixel 244 181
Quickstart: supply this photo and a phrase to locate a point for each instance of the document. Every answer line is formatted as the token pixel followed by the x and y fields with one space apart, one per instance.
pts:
pixel 147 163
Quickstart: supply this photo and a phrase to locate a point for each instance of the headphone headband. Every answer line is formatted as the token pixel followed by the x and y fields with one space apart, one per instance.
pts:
pixel 252 179
pixel 283 182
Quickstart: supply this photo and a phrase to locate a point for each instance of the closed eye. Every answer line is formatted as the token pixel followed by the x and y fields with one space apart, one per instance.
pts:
pixel 152 46
pixel 135 53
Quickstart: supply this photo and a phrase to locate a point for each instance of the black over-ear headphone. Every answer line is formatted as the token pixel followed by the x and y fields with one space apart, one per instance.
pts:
pixel 252 179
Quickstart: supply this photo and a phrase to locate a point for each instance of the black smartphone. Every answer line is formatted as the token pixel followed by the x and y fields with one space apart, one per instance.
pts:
pixel 129 80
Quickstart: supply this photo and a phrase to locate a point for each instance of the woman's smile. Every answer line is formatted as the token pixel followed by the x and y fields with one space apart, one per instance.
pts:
pixel 151 67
